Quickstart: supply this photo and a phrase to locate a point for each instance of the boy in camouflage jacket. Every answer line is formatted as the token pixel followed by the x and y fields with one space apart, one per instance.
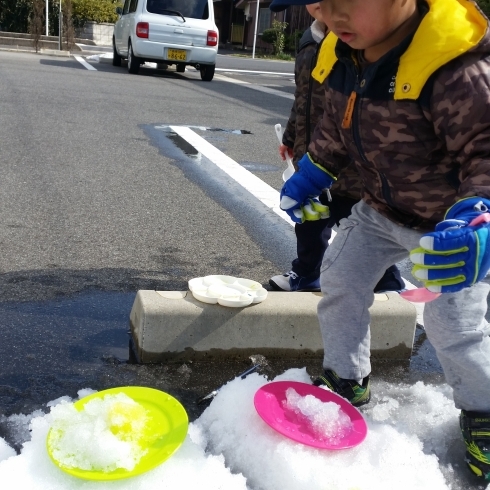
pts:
pixel 313 236
pixel 407 98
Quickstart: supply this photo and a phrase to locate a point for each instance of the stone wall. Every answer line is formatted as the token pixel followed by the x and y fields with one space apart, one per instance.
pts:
pixel 101 34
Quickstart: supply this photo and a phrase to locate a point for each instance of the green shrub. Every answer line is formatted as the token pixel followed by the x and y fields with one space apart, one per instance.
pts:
pixel 275 36
pixel 269 36
pixel 14 15
pixel 94 10
pixel 292 41
pixel 284 56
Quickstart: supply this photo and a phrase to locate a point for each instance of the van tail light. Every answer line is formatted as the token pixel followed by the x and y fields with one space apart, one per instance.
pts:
pixel 143 29
pixel 212 38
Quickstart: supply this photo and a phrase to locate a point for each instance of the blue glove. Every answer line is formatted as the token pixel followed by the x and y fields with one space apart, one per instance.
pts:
pixel 457 254
pixel 308 182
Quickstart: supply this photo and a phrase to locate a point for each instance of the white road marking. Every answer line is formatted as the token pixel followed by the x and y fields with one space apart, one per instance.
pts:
pixel 255 71
pixel 257 187
pixel 253 86
pixel 84 63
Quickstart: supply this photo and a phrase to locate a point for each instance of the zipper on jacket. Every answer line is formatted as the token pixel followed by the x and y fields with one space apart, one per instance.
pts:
pixel 349 110
pixel 385 188
pixel 355 121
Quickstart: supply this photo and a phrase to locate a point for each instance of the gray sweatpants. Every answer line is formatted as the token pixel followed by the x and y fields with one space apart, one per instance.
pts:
pixel 366 244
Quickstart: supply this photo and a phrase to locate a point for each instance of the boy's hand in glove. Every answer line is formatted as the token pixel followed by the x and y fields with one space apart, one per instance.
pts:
pixel 305 184
pixel 457 254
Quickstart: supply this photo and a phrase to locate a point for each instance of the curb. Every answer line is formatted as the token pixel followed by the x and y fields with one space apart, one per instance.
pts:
pixel 174 326
pixel 45 52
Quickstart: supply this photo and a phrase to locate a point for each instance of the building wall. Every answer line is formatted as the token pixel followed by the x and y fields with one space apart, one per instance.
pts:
pixel 242 13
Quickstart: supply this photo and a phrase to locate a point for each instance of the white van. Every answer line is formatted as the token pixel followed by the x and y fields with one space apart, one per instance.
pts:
pixel 173 32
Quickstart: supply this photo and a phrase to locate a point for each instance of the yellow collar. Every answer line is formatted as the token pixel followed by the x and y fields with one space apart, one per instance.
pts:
pixel 449 29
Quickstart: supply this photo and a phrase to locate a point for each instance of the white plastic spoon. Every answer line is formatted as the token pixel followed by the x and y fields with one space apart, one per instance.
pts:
pixel 290 170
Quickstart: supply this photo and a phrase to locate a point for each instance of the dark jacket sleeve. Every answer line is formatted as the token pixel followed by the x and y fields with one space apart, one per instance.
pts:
pixel 295 134
pixel 290 131
pixel 460 111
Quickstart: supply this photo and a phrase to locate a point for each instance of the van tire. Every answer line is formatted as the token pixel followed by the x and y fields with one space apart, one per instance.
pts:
pixel 116 59
pixel 133 61
pixel 180 68
pixel 207 72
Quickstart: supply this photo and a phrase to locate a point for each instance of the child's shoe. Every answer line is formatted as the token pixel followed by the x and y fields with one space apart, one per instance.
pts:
pixel 475 427
pixel 290 281
pixel 350 389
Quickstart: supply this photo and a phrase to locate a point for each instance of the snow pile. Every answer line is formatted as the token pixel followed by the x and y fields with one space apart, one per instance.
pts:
pixel 190 467
pixel 326 419
pixel 388 458
pixel 5 450
pixel 412 429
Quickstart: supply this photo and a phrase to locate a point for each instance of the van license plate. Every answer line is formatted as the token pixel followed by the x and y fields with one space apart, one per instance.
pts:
pixel 177 54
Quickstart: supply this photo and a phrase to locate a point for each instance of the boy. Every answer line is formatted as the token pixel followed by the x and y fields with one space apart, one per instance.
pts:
pixel 407 98
pixel 312 236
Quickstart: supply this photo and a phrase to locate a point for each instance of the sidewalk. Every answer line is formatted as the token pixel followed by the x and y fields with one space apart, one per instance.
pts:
pixel 80 49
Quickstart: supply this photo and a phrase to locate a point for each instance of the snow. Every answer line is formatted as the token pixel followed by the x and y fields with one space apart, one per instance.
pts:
pixel 108 434
pixel 229 447
pixel 326 419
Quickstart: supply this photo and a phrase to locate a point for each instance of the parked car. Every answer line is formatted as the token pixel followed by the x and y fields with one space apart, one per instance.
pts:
pixel 171 32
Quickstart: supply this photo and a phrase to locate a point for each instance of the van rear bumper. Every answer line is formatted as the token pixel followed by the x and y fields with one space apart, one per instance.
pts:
pixel 145 49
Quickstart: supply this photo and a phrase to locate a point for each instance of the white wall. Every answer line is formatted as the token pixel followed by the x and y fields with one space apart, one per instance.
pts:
pixel 101 34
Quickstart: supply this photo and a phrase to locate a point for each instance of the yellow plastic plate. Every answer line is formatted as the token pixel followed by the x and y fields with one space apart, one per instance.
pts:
pixel 168 419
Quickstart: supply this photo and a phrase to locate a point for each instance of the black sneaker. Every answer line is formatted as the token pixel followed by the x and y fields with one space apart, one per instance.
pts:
pixel 475 427
pixel 350 389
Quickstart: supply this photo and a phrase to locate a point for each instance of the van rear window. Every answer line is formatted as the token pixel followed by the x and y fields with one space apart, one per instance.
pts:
pixel 195 9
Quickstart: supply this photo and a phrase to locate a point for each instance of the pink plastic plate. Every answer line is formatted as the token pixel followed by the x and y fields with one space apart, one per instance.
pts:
pixel 419 295
pixel 269 400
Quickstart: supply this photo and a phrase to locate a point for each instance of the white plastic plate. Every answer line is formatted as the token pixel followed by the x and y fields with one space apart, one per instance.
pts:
pixel 227 290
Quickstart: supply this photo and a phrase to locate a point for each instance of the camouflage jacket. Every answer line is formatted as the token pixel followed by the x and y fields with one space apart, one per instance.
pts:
pixel 418 122
pixel 307 111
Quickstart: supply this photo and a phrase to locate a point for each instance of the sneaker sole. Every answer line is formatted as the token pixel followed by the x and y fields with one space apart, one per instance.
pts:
pixel 277 287
pixel 363 402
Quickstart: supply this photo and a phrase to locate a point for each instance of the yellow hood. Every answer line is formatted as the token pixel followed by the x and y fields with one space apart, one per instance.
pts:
pixel 449 29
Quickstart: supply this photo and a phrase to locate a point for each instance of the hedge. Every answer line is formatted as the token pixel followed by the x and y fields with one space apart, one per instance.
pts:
pixel 94 10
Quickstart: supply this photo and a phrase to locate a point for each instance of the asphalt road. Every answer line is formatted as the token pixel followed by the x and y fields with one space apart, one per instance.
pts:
pixel 99 199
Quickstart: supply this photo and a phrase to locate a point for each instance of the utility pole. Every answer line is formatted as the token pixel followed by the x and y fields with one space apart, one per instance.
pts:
pixel 47 17
pixel 60 43
pixel 256 23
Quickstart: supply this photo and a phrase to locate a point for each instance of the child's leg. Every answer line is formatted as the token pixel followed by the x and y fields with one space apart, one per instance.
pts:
pixel 365 245
pixel 311 242
pixel 456 327
pixel 391 280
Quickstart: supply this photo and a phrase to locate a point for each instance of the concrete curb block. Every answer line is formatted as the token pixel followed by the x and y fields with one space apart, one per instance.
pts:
pixel 45 52
pixel 173 326
pixel 54 52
